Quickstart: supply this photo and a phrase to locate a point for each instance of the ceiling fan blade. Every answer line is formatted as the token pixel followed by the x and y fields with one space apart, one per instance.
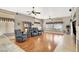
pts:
pixel 33 12
pixel 33 8
pixel 37 12
pixel 29 13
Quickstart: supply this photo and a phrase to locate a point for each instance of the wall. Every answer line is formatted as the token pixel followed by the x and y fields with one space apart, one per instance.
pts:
pixel 66 21
pixel 19 18
pixel 7 14
pixel 76 11
pixel 77 24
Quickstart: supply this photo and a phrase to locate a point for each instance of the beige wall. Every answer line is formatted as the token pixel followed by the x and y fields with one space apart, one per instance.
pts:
pixel 7 14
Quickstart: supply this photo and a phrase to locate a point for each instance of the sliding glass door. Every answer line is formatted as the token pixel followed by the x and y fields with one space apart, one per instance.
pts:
pixel 58 26
pixel 54 26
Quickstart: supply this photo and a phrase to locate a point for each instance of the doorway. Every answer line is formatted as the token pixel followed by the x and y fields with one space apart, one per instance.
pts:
pixel 74 30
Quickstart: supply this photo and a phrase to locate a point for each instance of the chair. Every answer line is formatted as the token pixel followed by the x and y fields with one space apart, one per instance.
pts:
pixel 29 33
pixel 40 32
pixel 34 32
pixel 20 37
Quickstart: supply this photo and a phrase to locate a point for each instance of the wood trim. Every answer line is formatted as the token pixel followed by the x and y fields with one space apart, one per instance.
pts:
pixel 36 22
pixel 53 22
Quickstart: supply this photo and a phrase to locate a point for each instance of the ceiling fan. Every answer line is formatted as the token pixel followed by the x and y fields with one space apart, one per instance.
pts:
pixel 49 18
pixel 33 12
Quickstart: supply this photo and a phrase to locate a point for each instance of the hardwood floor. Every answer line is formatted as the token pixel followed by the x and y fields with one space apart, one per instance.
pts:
pixel 43 43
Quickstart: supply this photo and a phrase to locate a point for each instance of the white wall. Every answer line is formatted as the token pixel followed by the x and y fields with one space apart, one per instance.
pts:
pixel 66 22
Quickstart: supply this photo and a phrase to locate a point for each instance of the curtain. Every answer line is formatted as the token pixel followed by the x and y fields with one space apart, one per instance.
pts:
pixel 49 26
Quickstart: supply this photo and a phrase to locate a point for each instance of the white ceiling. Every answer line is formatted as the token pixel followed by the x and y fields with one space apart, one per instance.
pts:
pixel 45 11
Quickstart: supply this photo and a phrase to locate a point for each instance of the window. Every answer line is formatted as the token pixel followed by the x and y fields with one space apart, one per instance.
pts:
pixel 49 26
pixel 58 26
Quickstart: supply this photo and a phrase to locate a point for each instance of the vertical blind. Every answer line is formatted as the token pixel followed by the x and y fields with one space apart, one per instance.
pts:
pixel 49 26
pixel 54 26
pixel 6 25
pixel 58 26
